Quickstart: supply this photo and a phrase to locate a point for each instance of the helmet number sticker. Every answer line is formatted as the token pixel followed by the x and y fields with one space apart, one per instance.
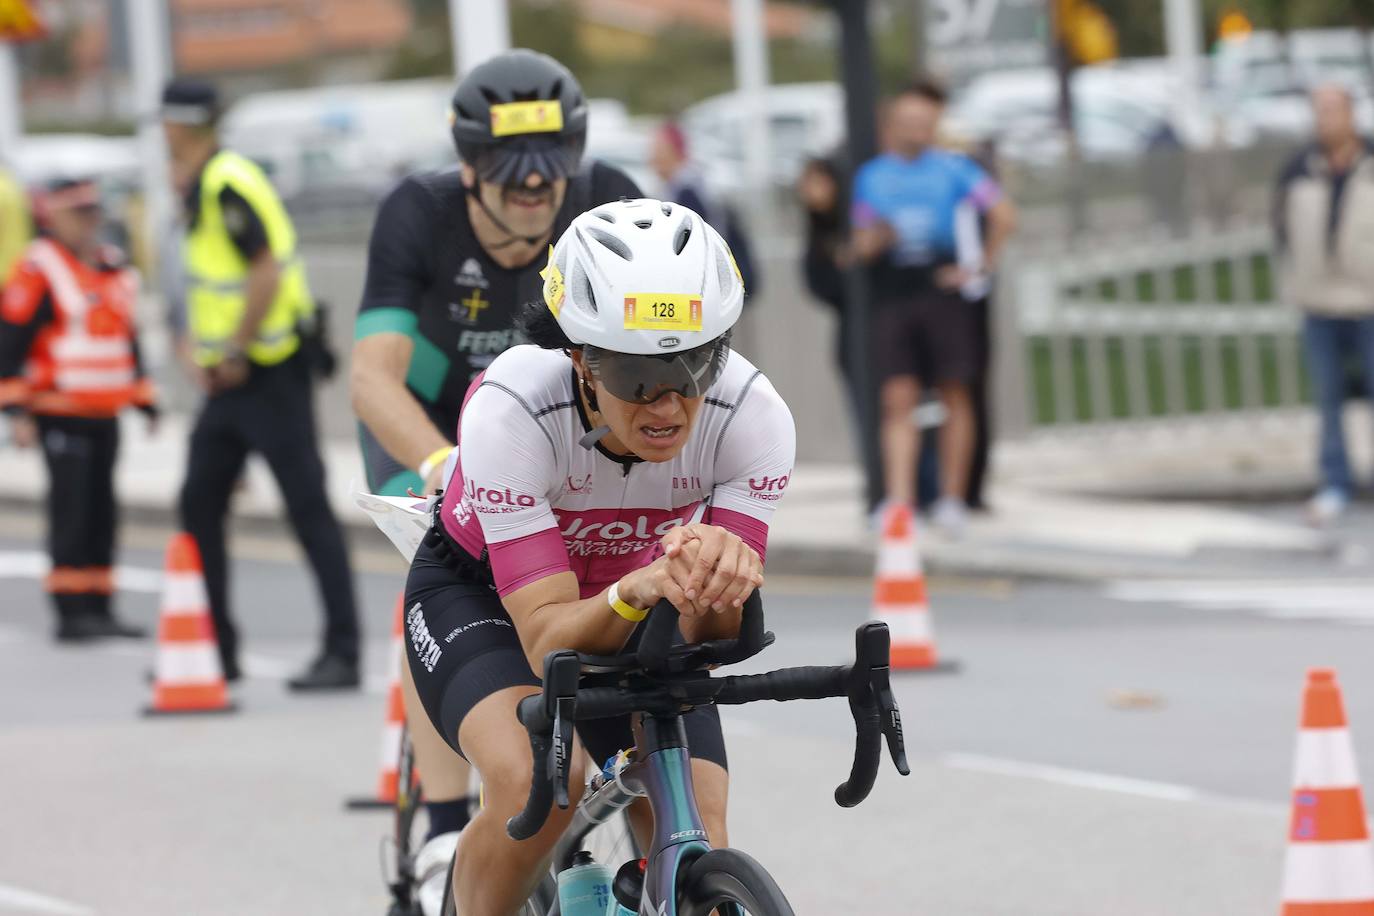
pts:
pixel 537 117
pixel 662 312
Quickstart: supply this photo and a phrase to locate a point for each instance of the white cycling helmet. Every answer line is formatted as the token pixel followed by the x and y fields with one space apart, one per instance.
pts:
pixel 650 292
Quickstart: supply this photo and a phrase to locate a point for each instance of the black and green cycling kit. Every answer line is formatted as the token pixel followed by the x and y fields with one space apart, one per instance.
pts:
pixel 428 277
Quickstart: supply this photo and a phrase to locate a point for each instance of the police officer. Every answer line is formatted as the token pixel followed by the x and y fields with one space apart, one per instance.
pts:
pixel 246 299
pixel 453 253
pixel 69 364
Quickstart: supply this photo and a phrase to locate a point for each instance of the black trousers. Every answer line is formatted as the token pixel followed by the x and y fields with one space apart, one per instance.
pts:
pixel 272 414
pixel 80 456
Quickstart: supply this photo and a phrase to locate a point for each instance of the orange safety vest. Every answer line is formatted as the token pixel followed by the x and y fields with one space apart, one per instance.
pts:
pixel 82 363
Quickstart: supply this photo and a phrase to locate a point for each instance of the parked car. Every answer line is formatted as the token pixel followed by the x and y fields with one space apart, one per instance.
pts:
pixel 803 118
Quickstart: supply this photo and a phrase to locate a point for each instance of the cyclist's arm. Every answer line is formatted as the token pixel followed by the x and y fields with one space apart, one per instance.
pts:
pixel 398 271
pixel 384 404
pixel 504 475
pixel 549 614
pixel 753 470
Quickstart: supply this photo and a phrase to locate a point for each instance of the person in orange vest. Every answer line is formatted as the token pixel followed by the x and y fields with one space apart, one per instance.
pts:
pixel 69 364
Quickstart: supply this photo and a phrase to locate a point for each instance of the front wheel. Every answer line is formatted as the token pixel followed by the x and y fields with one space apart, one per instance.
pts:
pixel 540 903
pixel 724 876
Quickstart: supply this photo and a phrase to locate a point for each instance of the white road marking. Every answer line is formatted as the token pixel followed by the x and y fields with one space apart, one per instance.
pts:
pixel 33 564
pixel 1349 602
pixel 1082 779
pixel 15 898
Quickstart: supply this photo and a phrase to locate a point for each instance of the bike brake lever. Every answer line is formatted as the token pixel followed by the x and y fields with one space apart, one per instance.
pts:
pixel 561 674
pixel 890 717
pixel 564 715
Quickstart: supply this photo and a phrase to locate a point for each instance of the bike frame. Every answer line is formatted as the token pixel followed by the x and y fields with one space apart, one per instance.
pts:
pixel 662 772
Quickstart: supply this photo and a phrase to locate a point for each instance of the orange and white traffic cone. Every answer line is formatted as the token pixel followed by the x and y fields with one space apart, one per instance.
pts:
pixel 393 725
pixel 899 594
pixel 1329 870
pixel 187 676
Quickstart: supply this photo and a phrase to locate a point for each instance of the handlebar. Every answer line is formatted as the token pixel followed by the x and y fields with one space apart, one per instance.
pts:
pixel 655 652
pixel 549 717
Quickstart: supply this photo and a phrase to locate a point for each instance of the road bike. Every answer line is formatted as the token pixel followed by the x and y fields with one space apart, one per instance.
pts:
pixel 657 684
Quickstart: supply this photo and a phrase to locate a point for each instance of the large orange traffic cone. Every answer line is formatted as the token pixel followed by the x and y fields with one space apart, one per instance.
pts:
pixel 1329 870
pixel 187 676
pixel 393 724
pixel 899 594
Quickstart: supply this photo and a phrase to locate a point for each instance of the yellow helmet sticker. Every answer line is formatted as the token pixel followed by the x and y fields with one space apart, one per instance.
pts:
pixel 538 117
pixel 553 285
pixel 663 312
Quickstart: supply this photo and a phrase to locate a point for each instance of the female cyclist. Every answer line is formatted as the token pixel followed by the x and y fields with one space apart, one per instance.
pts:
pixel 627 456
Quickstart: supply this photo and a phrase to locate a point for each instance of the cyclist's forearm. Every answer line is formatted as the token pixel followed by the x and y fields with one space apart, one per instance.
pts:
pixel 393 415
pixel 587 625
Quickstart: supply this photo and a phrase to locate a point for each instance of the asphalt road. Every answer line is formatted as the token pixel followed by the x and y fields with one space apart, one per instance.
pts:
pixel 1093 755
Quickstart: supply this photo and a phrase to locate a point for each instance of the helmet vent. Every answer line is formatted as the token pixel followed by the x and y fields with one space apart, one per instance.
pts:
pixel 556 90
pixel 683 234
pixel 491 97
pixel 667 208
pixel 606 214
pixel 612 242
pixel 582 287
pixel 725 274
pixel 644 223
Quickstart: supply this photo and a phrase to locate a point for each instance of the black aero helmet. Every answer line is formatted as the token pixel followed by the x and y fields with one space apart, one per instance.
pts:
pixel 518 113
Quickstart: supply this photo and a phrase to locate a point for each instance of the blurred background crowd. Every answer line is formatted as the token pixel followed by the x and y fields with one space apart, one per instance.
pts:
pixel 1141 141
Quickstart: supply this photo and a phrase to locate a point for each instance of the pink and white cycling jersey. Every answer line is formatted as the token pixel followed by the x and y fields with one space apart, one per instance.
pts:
pixel 527 495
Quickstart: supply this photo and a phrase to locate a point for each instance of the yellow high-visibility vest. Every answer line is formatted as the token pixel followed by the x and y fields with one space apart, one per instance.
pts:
pixel 216 272
pixel 15 230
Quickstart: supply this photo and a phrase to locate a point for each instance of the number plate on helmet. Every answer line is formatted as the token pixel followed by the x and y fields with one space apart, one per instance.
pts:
pixel 510 118
pixel 662 312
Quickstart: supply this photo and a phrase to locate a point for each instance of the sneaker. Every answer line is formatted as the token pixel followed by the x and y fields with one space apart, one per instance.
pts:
pixel 1328 505
pixel 109 626
pixel 81 629
pixel 328 672
pixel 950 516
pixel 433 868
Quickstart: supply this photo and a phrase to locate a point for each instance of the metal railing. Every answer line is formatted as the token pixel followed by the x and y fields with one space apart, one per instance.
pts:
pixel 1147 331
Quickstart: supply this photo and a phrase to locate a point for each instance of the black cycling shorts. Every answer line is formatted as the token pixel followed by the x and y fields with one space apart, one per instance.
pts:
pixel 462 647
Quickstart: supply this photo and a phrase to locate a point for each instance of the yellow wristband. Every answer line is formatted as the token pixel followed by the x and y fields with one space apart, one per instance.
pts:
pixel 436 457
pixel 629 612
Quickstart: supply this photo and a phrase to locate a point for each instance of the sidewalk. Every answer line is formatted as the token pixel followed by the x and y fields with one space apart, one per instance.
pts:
pixel 1078 505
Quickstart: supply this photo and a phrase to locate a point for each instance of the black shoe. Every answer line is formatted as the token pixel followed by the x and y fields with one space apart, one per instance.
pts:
pixel 81 629
pixel 230 667
pixel 114 628
pixel 328 672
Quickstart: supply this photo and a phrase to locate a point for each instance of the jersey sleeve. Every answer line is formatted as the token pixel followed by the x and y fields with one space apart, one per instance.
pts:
pixel 399 262
pixel 508 466
pixel 976 185
pixel 754 465
pixel 243 224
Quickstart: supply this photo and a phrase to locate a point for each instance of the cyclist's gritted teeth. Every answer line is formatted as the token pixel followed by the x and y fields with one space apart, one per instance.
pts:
pixel 661 436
